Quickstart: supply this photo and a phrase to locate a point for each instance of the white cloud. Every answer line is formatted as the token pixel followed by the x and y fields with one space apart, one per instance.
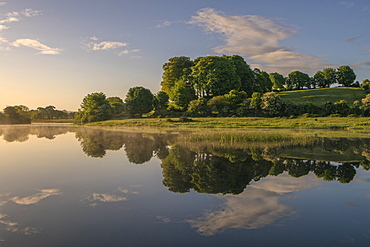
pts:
pixel 2 3
pixel 125 52
pixel 163 24
pixel 105 45
pixel 359 65
pixel 44 49
pixel 31 12
pixel 33 199
pixel 256 38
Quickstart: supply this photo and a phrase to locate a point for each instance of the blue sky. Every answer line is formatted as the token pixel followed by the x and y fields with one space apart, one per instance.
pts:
pixel 56 52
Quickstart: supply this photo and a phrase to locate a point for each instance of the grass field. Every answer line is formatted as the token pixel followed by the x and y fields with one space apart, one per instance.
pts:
pixel 245 122
pixel 322 95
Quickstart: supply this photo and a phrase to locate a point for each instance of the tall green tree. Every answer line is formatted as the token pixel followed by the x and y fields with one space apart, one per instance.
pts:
pixel 183 93
pixel 212 76
pixel 319 78
pixel 263 83
pixel 139 100
pixel 177 68
pixel 117 104
pixel 345 75
pixel 94 107
pixel 245 74
pixel 298 79
pixel 330 76
pixel 277 80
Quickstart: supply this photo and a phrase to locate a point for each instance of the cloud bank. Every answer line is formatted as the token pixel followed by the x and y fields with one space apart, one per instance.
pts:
pixel 256 38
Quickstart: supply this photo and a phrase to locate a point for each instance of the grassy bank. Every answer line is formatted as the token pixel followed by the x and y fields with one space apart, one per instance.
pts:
pixel 245 122
pixel 322 95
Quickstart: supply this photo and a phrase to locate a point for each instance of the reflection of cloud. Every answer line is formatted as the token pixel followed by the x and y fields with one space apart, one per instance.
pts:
pixel 104 197
pixel 257 207
pixel 33 199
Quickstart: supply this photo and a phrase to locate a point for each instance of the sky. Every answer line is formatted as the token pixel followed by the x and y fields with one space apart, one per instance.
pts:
pixel 56 52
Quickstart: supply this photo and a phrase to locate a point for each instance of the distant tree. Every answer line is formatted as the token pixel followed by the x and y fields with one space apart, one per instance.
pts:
pixel 139 100
pixel 117 105
pixel 177 68
pixel 298 79
pixel 365 85
pixel 277 80
pixel 319 78
pixel 330 76
pixel 212 76
pixel 12 116
pixel 94 107
pixel 345 76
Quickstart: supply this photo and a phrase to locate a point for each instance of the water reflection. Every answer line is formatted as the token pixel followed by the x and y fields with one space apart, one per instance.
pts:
pixel 251 187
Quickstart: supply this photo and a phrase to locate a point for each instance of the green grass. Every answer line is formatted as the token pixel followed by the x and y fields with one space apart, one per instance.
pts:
pixel 333 123
pixel 322 95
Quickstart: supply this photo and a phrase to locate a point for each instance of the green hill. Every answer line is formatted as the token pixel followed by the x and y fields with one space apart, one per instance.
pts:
pixel 322 95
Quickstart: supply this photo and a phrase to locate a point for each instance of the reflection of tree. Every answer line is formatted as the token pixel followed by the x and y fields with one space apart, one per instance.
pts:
pixel 139 147
pixel 229 171
pixel 21 133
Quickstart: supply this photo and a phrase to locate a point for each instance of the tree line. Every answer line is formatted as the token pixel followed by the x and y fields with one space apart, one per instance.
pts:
pixel 224 86
pixel 21 114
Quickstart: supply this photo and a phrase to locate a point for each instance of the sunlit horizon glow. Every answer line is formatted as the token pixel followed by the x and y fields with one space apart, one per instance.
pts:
pixel 55 53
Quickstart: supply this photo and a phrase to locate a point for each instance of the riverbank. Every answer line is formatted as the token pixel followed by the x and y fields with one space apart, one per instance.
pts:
pixel 245 122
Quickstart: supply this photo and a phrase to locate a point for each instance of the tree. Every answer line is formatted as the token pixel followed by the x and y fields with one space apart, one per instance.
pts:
pixel 365 85
pixel 177 68
pixel 139 100
pixel 345 76
pixel 330 76
pixel 117 105
pixel 183 93
pixel 298 79
pixel 244 72
pixel 198 108
pixel 12 116
pixel 160 102
pixel 94 107
pixel 271 104
pixel 319 78
pixel 263 83
pixel 212 76
pixel 219 105
pixel 277 80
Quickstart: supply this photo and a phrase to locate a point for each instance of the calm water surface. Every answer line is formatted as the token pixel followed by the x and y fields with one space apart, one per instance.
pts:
pixel 69 186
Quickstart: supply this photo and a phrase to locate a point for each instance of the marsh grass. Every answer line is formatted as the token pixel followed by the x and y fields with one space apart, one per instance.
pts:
pixel 242 139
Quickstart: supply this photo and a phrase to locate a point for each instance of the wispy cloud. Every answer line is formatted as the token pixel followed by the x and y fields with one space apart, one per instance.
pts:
pixel 2 3
pixel 163 24
pixel 94 44
pixel 34 44
pixel 360 65
pixel 106 45
pixel 351 40
pixel 347 5
pixel 256 38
